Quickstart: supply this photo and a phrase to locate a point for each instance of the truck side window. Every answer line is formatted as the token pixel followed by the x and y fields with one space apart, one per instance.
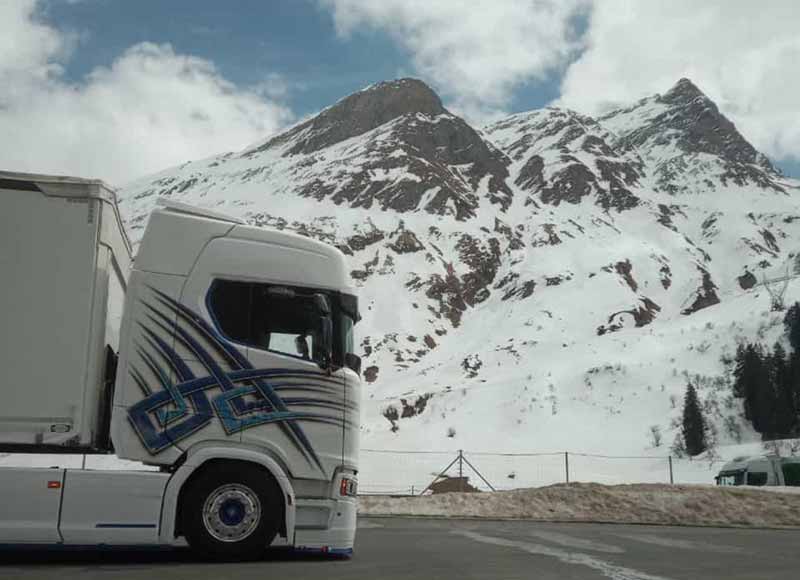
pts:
pixel 285 323
pixel 266 317
pixel 757 478
pixel 229 303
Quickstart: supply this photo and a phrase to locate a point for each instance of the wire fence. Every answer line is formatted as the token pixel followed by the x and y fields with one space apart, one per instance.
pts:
pixel 396 472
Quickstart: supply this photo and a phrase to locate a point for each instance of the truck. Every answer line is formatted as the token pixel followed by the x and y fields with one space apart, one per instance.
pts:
pixel 760 470
pixel 220 360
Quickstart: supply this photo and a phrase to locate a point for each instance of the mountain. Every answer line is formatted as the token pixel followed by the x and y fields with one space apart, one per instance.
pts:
pixel 551 281
pixel 690 145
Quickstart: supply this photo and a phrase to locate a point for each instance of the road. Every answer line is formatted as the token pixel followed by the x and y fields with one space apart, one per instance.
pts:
pixel 394 549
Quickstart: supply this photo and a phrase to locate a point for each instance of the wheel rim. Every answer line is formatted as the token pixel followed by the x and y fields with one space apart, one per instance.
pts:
pixel 232 512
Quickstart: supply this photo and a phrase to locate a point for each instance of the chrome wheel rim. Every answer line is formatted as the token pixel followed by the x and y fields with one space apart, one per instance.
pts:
pixel 231 512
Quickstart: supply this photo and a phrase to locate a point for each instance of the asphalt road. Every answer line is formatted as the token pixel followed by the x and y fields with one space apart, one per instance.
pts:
pixel 465 550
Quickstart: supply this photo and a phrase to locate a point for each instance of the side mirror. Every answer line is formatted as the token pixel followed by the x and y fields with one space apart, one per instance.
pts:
pixel 353 362
pixel 321 304
pixel 326 346
pixel 323 308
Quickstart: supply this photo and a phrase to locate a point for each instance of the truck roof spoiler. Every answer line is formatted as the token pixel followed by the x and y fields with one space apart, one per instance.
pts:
pixel 184 208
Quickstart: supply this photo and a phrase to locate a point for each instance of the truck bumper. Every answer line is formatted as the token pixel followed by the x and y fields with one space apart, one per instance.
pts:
pixel 326 526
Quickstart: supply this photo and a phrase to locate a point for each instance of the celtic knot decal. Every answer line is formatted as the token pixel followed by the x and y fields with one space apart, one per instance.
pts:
pixel 231 391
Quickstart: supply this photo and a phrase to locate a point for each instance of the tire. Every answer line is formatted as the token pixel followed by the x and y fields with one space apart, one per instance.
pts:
pixel 231 512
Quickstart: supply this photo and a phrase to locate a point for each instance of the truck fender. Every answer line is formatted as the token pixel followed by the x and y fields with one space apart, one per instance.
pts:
pixel 195 460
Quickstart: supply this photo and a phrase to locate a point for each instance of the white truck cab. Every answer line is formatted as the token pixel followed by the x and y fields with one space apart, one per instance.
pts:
pixel 222 356
pixel 760 470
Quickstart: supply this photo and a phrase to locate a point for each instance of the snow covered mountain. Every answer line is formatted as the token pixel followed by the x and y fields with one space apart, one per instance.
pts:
pixel 551 281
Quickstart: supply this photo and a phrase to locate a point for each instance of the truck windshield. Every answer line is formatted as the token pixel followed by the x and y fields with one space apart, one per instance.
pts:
pixel 731 478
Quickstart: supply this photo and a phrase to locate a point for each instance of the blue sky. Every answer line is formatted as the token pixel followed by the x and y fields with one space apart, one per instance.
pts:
pixel 294 38
pixel 141 107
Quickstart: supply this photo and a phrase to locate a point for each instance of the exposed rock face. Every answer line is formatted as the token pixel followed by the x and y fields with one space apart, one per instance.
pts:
pixel 580 161
pixel 405 241
pixel 746 280
pixel 642 315
pixel 706 294
pixel 684 134
pixel 358 113
pixel 414 154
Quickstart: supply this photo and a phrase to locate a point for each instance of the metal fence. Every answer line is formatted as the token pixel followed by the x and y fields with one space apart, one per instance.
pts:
pixel 393 472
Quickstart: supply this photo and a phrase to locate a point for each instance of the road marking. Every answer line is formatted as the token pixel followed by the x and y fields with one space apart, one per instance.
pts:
pixel 681 544
pixel 607 569
pixel 573 542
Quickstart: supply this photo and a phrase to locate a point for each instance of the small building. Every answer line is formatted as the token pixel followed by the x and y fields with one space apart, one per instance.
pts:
pixel 449 484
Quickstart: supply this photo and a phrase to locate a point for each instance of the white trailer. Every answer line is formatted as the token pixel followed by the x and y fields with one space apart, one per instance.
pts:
pixel 221 359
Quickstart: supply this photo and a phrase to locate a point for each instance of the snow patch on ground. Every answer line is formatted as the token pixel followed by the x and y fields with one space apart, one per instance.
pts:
pixel 589 502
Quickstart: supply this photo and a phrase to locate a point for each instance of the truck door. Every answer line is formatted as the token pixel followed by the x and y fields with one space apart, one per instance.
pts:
pixel 30 499
pixel 282 396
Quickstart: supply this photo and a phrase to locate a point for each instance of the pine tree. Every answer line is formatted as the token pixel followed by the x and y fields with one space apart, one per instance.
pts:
pixel 739 371
pixel 761 392
pixel 794 388
pixel 694 428
pixel 791 323
pixel 783 409
pixel 749 375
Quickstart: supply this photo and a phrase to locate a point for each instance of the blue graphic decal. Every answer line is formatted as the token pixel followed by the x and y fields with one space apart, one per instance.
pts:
pixel 243 397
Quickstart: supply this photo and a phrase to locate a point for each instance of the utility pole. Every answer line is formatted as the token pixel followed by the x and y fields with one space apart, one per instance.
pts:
pixel 566 464
pixel 671 480
pixel 461 469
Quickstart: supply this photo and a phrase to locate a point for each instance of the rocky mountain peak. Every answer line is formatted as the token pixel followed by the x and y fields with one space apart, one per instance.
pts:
pixel 684 133
pixel 684 91
pixel 359 113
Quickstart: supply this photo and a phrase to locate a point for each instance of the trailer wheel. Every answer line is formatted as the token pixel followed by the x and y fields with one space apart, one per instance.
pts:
pixel 232 514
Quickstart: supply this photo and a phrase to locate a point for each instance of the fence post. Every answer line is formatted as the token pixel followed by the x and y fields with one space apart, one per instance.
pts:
pixel 412 490
pixel 478 473
pixel 441 473
pixel 671 480
pixel 566 464
pixel 461 469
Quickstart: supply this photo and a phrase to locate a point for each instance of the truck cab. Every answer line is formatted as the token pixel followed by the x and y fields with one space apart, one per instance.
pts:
pixel 222 359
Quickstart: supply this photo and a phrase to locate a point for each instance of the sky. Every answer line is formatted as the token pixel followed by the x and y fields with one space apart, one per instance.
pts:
pixel 118 89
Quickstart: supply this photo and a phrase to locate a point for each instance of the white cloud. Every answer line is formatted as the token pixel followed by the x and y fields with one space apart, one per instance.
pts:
pixel 151 108
pixel 476 52
pixel 744 55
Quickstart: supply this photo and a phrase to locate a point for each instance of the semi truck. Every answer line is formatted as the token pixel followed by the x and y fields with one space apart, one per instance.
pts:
pixel 220 359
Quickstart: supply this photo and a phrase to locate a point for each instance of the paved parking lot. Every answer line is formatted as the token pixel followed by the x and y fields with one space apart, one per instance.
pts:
pixel 458 549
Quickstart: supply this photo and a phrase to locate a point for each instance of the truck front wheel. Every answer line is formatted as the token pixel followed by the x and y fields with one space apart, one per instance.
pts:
pixel 231 513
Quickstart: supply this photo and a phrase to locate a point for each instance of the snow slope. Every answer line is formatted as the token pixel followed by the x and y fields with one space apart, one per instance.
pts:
pixel 547 283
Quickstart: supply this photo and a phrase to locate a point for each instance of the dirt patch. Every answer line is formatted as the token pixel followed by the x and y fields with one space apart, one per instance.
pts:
pixel 591 502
